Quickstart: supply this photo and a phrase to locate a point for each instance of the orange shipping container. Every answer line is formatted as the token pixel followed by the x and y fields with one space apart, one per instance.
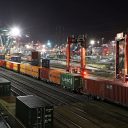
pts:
pixel 54 76
pixel 16 66
pixel 35 68
pixel 9 65
pixel 35 74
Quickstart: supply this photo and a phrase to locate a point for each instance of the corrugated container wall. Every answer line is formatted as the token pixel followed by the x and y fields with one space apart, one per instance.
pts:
pixel 16 59
pixel 46 63
pixel 2 57
pixel 71 81
pixel 54 76
pixel 5 87
pixel 33 112
pixel 44 74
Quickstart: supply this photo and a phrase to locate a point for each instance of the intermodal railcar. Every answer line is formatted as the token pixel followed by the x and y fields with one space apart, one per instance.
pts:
pixel 100 88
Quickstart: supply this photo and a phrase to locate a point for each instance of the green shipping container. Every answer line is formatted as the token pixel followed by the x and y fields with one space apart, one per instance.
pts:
pixel 71 82
pixel 5 87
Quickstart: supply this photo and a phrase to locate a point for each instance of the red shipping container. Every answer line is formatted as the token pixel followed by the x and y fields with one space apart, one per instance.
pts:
pixel 2 63
pixel 94 87
pixel 44 74
pixel 109 91
pixel 100 85
pixel 126 96
pixel 11 65
pixel 35 55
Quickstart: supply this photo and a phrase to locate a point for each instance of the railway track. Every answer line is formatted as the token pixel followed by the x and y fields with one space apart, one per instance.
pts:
pixel 71 110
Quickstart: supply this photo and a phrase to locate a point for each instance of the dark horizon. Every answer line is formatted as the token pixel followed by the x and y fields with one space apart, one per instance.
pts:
pixel 54 20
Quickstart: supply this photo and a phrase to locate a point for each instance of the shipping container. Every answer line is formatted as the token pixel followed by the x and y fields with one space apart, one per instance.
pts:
pixel 2 63
pixel 113 91
pixel 94 87
pixel 16 59
pixel 2 57
pixel 54 76
pixel 72 82
pixel 35 55
pixel 35 74
pixel 33 112
pixel 22 68
pixel 28 69
pixel 5 87
pixel 35 71
pixel 35 62
pixel 16 67
pixel 9 65
pixel 116 91
pixel 46 63
pixel 35 68
pixel 44 74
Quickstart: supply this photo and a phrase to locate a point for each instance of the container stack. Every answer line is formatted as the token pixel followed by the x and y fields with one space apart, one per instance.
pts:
pixel 35 58
pixel 33 112
pixel 46 63
pixel 2 57
pixel 5 87
pixel 16 59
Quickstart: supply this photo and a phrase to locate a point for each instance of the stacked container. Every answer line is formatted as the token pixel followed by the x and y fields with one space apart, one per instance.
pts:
pixel 22 68
pixel 2 57
pixel 44 74
pixel 9 65
pixel 5 87
pixel 46 63
pixel 16 59
pixel 35 58
pixel 33 112
pixel 35 71
pixel 2 63
pixel 16 67
pixel 28 69
pixel 71 82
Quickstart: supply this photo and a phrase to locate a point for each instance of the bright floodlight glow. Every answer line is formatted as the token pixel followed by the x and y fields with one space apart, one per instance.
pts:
pixel 44 46
pixel 49 43
pixel 43 50
pixel 120 36
pixel 92 42
pixel 15 31
pixel 98 41
pixel 28 46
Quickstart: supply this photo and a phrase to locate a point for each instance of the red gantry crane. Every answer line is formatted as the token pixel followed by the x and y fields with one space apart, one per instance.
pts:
pixel 81 40
pixel 121 63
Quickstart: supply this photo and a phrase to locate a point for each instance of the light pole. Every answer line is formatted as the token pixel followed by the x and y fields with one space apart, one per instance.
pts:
pixel 92 42
pixel 15 32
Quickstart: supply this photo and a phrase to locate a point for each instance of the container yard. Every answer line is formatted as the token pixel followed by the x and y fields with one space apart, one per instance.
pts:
pixel 54 83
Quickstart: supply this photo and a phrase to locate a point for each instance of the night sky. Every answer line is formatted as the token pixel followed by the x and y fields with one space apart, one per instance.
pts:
pixel 55 19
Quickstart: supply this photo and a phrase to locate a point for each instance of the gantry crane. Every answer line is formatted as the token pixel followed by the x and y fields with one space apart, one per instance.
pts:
pixel 121 62
pixel 81 40
pixel 5 40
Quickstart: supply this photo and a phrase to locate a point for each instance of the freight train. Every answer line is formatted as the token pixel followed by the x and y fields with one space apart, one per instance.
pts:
pixel 101 88
pixel 54 76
